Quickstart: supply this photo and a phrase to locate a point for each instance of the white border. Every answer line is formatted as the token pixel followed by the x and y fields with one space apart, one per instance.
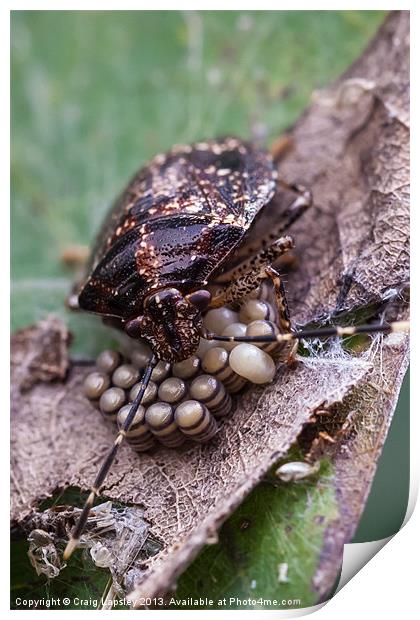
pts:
pixel 388 584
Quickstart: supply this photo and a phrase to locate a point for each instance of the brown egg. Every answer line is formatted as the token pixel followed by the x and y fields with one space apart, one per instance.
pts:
pixel 216 362
pixel 111 401
pixel 108 360
pixel 125 376
pixel 235 329
pixel 172 390
pixel 217 319
pixel 160 420
pixel 204 346
pixel 264 328
pixel 150 394
pixel 211 392
pixel 95 385
pixel 160 372
pixel 140 355
pixel 138 436
pixel 256 309
pixel 187 369
pixel 195 421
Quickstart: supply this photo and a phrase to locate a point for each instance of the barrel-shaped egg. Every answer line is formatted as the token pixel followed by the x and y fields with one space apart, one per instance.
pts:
pixel 264 291
pixel 187 369
pixel 216 362
pixel 233 330
pixel 210 391
pixel 252 363
pixel 256 309
pixel 195 421
pixel 111 402
pixel 204 346
pixel 95 385
pixel 172 390
pixel 138 436
pixel 108 360
pixel 161 421
pixel 125 376
pixel 264 328
pixel 141 355
pixel 218 319
pixel 150 394
pixel 160 372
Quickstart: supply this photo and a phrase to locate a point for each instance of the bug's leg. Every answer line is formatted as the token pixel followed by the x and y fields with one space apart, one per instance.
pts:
pixel 321 332
pixel 283 313
pixel 281 147
pixel 255 242
pixel 106 465
pixel 292 212
pixel 281 299
pixel 249 275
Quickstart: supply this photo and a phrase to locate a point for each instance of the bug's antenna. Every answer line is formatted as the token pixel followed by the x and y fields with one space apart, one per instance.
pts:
pixel 106 464
pixel 398 326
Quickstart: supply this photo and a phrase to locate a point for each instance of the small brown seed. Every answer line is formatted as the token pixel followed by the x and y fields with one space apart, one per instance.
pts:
pixel 172 390
pixel 195 421
pixel 95 385
pixel 108 360
pixel 125 376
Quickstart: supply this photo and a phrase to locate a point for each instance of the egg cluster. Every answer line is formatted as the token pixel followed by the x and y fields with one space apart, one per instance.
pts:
pixel 186 400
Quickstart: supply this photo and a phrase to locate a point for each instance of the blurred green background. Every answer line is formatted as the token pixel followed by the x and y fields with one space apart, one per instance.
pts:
pixel 96 94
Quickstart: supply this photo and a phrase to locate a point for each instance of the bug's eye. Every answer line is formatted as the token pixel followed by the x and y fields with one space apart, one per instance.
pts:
pixel 199 299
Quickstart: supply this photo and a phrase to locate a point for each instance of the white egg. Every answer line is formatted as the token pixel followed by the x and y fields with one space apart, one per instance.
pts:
pixel 235 329
pixel 218 319
pixel 252 363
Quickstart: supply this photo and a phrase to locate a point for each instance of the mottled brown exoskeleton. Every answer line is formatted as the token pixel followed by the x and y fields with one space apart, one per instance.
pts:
pixel 180 227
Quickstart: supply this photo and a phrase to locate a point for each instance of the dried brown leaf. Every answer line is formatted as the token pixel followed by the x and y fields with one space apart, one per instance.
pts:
pixel 368 410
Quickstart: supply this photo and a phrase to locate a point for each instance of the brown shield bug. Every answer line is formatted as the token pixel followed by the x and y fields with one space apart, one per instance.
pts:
pixel 179 227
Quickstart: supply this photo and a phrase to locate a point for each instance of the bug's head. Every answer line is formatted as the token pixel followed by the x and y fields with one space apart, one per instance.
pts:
pixel 171 323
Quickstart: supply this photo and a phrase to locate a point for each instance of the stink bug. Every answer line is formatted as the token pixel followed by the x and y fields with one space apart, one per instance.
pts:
pixel 179 227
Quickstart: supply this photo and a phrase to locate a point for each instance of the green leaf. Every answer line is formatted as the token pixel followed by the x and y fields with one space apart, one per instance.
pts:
pixel 282 524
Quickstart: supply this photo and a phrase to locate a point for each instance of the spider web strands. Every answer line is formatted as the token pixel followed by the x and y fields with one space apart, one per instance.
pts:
pixel 398 326
pixel 107 463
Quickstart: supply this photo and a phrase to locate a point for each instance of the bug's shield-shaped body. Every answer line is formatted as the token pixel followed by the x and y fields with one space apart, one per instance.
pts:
pixel 176 224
